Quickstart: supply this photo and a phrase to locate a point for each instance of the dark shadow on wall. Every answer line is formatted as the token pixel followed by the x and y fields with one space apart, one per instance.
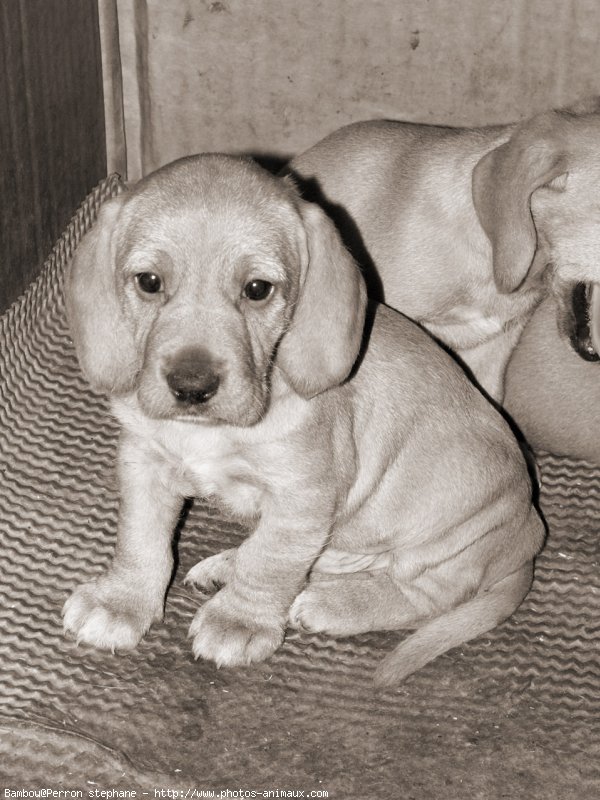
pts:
pixel 272 163
pixel 312 192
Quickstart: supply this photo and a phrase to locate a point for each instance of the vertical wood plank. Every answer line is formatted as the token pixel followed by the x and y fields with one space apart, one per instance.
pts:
pixel 51 128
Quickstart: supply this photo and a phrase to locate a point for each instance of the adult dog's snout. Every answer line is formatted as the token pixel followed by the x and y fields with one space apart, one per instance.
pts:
pixel 193 377
pixel 578 318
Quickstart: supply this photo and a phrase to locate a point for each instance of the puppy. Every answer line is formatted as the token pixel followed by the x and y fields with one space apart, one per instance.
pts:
pixel 226 320
pixel 467 230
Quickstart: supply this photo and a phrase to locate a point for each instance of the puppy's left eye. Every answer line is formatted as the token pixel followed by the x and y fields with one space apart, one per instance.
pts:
pixel 257 290
pixel 149 282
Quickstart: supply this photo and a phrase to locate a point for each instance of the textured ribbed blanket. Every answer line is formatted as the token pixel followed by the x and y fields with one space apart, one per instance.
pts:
pixel 513 714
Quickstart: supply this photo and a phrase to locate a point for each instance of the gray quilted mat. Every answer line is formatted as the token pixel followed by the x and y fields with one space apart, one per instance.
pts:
pixel 514 714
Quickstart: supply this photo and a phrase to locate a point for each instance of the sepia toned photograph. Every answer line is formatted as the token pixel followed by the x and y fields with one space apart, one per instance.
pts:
pixel 300 399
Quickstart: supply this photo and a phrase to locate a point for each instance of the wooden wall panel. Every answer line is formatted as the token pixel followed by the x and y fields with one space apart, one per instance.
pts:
pixel 274 76
pixel 52 141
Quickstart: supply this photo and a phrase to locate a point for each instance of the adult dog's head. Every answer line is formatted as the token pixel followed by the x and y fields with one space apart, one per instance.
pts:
pixel 538 199
pixel 195 284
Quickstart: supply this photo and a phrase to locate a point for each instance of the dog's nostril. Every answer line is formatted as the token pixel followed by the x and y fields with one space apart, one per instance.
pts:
pixel 193 390
pixel 197 396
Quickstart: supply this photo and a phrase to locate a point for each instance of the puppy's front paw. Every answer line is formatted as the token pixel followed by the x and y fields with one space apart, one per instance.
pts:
pixel 213 572
pixel 230 636
pixel 108 615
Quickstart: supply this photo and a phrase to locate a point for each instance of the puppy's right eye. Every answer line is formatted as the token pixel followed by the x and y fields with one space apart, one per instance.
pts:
pixel 258 290
pixel 149 282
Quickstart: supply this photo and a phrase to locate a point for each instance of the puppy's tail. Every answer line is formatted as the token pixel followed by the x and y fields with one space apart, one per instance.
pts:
pixel 478 615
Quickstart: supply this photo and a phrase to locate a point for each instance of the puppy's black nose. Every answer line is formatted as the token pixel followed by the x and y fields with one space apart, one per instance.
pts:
pixel 192 378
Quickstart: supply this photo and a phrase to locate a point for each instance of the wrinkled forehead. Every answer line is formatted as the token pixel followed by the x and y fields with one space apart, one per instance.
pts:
pixel 228 230
pixel 227 216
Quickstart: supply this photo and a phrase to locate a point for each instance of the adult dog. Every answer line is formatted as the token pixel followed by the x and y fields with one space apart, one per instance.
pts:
pixel 466 230
pixel 226 321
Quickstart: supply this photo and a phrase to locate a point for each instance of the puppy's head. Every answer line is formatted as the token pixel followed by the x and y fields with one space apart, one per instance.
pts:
pixel 207 275
pixel 538 199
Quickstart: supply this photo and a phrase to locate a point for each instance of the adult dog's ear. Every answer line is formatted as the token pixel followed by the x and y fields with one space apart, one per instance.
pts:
pixel 103 341
pixel 503 182
pixel 323 341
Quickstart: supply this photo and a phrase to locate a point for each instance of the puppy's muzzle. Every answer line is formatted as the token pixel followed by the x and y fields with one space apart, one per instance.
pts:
pixel 193 378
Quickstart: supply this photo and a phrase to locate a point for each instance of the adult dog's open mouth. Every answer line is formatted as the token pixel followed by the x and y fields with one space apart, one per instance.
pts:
pixel 583 324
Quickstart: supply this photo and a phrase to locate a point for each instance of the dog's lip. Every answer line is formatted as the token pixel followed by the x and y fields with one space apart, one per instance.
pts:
pixel 585 334
pixel 237 420
pixel 194 419
pixel 594 316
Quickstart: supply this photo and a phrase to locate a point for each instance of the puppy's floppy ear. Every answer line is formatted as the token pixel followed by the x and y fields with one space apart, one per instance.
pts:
pixel 323 341
pixel 503 182
pixel 103 341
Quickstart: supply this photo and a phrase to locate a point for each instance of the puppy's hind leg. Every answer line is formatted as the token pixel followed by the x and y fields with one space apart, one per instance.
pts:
pixel 213 572
pixel 350 603
pixel 463 623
